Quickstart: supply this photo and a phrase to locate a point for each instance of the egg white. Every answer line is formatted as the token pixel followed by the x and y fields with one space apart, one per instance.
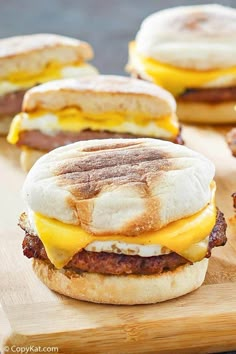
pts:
pixel 69 71
pixel 8 87
pixel 49 124
pixel 117 247
pixel 78 71
pixel 130 249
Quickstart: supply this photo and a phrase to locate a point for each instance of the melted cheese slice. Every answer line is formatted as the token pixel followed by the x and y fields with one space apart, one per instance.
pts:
pixel 26 79
pixel 73 120
pixel 53 71
pixel 185 236
pixel 176 80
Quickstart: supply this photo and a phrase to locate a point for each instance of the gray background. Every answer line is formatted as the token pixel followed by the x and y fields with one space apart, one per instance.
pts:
pixel 107 24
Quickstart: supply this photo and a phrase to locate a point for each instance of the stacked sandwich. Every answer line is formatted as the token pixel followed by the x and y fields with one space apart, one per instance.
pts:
pixel 95 107
pixel 26 61
pixel 118 211
pixel 191 52
pixel 121 221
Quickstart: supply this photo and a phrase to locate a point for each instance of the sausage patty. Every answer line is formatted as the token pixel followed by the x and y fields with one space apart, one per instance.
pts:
pixel 10 103
pixel 35 139
pixel 111 263
pixel 209 95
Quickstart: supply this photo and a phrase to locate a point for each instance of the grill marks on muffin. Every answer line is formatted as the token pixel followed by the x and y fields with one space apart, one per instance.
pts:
pixel 111 165
pixel 195 22
pixel 110 147
pixel 204 23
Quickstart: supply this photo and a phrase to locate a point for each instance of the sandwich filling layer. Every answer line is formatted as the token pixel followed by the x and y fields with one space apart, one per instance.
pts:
pixel 10 103
pixel 118 263
pixel 178 80
pixel 53 71
pixel 72 120
pixel 187 237
pixel 36 140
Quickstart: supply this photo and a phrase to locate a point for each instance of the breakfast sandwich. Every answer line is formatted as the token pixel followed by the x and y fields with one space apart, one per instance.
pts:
pixel 191 52
pixel 26 61
pixel 121 221
pixel 93 107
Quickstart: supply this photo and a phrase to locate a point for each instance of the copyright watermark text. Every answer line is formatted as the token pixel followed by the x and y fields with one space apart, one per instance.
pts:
pixel 30 349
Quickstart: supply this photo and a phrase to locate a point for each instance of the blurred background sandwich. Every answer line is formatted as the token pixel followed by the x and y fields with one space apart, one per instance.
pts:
pixel 26 61
pixel 95 107
pixel 191 52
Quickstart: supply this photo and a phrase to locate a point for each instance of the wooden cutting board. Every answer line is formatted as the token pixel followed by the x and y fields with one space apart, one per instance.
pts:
pixel 32 315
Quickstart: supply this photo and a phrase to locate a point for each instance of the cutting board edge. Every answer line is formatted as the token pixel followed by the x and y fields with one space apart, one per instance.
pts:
pixel 223 337
pixel 219 341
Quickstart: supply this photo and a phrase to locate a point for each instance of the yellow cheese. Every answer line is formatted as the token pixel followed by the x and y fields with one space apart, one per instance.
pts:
pixel 15 129
pixel 176 80
pixel 73 120
pixel 52 71
pixel 184 236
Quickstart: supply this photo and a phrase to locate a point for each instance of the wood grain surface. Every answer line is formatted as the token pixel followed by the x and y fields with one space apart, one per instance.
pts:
pixel 203 321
